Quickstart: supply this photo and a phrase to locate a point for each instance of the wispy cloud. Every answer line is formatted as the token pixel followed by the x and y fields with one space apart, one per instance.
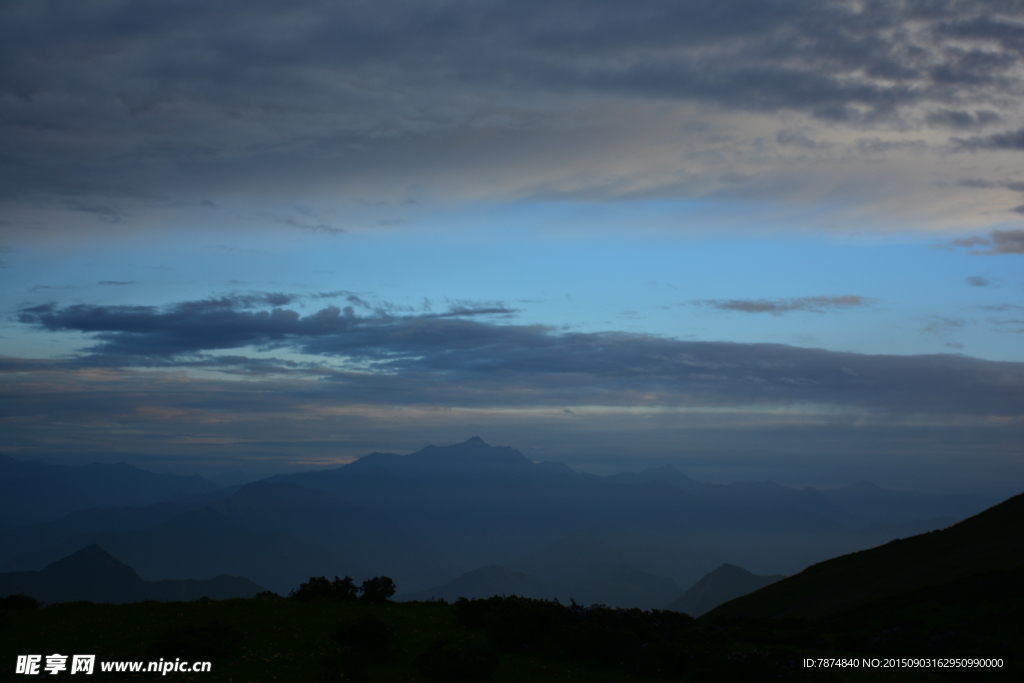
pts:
pixel 811 304
pixel 997 242
pixel 1008 140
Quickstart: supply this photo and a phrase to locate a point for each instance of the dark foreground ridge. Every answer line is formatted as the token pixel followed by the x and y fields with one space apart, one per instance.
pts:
pixel 986 550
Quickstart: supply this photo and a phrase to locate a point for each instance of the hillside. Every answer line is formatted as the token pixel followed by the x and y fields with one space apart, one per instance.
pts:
pixel 724 584
pixel 991 541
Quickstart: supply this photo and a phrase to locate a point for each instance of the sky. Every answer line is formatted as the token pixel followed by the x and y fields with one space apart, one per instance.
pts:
pixel 756 239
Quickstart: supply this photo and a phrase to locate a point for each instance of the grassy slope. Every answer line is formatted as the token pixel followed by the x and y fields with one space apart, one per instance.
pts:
pixel 287 641
pixel 990 541
pixel 282 640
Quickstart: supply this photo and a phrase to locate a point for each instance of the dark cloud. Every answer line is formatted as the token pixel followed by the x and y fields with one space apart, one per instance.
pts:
pixel 979 281
pixel 997 242
pixel 981 183
pixel 1010 140
pixel 117 283
pixel 44 288
pixel 812 304
pixel 311 226
pixel 126 99
pixel 956 118
pixel 224 322
pixel 458 358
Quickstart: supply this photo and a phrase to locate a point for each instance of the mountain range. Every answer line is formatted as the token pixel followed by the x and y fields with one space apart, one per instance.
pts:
pixel 32 491
pixel 434 517
pixel 93 574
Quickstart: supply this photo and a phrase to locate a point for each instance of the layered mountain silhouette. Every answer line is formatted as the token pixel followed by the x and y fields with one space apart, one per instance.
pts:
pixel 984 550
pixel 35 545
pixel 94 574
pixel 34 491
pixel 720 586
pixel 280 534
pixel 428 518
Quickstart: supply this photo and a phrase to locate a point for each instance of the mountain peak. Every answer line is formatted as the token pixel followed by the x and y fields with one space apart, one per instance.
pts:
pixel 90 571
pixel 473 455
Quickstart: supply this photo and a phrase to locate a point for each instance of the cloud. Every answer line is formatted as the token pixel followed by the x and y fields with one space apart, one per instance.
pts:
pixel 997 241
pixel 117 283
pixel 812 304
pixel 113 107
pixel 1009 140
pixel 951 118
pixel 463 358
pixel 979 281
pixel 1014 185
pixel 226 322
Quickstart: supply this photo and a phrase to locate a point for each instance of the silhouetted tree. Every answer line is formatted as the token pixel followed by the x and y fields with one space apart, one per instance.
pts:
pixel 377 590
pixel 343 590
pixel 19 601
pixel 319 588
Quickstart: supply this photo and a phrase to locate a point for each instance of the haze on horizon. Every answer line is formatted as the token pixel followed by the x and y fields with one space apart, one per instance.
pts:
pixel 756 240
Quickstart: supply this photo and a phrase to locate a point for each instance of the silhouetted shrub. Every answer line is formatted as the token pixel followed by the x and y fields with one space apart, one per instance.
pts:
pixel 19 601
pixel 196 643
pixel 377 590
pixel 444 663
pixel 319 588
pixel 267 594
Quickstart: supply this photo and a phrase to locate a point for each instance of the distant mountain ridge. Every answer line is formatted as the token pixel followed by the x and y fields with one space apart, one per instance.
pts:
pixel 32 491
pixel 862 502
pixel 472 455
pixel 725 583
pixel 21 546
pixel 432 516
pixel 93 574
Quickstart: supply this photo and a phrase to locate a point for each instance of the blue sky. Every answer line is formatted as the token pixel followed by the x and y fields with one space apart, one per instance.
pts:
pixel 921 293
pixel 757 240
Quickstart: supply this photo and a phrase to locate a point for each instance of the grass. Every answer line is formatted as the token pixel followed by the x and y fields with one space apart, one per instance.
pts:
pixel 284 640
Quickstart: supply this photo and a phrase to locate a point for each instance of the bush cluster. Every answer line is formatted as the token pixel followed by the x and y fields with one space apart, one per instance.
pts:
pixel 379 589
pixel 19 601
